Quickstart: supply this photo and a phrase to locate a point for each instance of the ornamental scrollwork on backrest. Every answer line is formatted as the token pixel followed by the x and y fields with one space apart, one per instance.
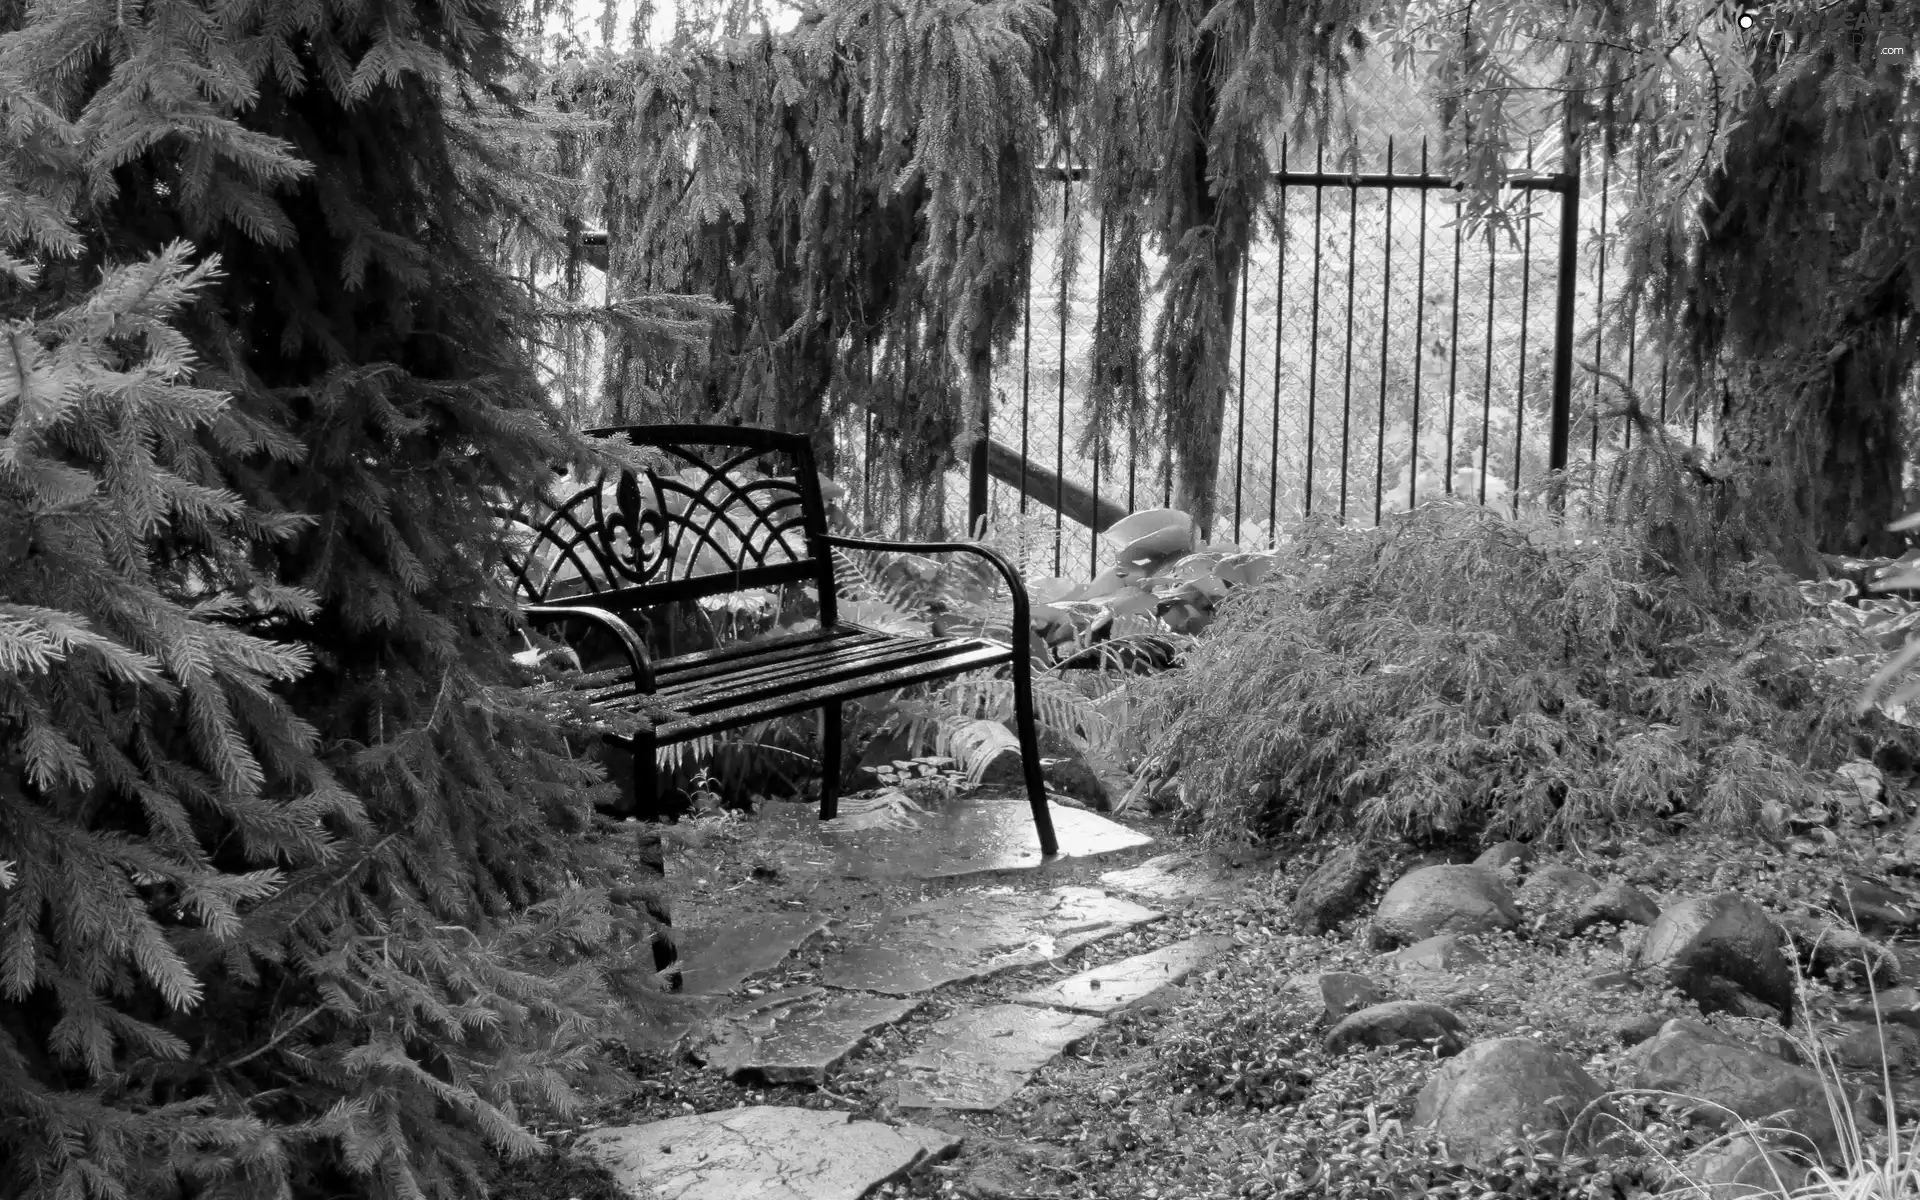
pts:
pixel 695 512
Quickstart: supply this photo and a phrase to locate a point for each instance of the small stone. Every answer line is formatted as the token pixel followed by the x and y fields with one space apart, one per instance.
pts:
pixel 1443 899
pixel 1335 891
pixel 1399 1023
pixel 1344 993
pixel 1443 952
pixel 1618 903
pixel 1744 1168
pixel 1501 854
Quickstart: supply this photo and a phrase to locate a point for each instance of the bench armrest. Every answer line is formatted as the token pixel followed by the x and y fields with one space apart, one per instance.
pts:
pixel 630 641
pixel 1022 611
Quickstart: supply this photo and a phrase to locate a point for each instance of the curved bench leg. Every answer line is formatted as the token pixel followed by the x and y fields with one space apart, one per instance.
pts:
pixel 1029 736
pixel 830 735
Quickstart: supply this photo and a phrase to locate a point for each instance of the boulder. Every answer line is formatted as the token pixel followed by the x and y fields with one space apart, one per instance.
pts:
pixel 1733 1080
pixel 1636 1029
pixel 1400 1023
pixel 1479 1101
pixel 1501 854
pixel 1618 903
pixel 1742 1168
pixel 1824 947
pixel 1874 907
pixel 1869 1046
pixel 1443 952
pixel 1553 889
pixel 1900 1005
pixel 1335 891
pixel 1722 952
pixel 1443 899
pixel 1345 992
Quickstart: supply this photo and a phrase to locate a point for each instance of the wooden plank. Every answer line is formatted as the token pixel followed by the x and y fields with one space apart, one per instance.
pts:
pixel 1076 502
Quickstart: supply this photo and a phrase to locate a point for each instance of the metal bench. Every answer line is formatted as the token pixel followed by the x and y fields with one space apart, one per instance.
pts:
pixel 723 509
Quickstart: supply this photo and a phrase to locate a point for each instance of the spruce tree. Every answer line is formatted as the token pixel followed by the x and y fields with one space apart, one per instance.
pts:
pixel 301 892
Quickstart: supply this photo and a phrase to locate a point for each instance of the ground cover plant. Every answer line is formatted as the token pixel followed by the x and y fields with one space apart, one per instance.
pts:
pixel 1460 670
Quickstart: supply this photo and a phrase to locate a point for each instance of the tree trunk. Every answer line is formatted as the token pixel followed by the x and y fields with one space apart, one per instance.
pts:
pixel 1820 439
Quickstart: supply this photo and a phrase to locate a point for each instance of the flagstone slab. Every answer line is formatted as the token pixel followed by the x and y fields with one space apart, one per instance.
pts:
pixel 799 1034
pixel 966 835
pixel 1119 985
pixel 1180 876
pixel 720 957
pixel 762 1152
pixel 979 1057
pixel 970 935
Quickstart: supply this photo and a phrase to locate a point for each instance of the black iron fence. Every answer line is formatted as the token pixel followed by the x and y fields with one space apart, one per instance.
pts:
pixel 1380 358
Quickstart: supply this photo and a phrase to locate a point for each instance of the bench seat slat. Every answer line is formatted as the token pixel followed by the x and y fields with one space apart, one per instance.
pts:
pixel 781 703
pixel 837 659
pixel 705 664
pixel 805 677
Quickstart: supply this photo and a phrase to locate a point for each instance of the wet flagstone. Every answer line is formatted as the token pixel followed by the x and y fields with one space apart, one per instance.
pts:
pixel 1180 876
pixel 979 1057
pixel 1125 983
pixel 967 835
pixel 975 934
pixel 799 1034
pixel 718 958
pixel 762 1152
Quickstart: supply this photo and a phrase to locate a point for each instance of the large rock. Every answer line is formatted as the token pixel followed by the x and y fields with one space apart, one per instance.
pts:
pixel 1400 1023
pixel 1875 907
pixel 1744 1168
pixel 1825 947
pixel 1722 952
pixel 1479 1101
pixel 1732 1080
pixel 1871 1046
pixel 1618 903
pixel 1443 899
pixel 1335 891
pixel 1555 889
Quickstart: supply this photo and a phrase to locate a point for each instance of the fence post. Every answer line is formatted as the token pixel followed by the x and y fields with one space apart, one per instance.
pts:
pixel 977 481
pixel 1568 285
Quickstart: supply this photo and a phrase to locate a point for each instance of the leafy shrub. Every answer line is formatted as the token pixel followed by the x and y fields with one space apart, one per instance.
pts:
pixel 1458 670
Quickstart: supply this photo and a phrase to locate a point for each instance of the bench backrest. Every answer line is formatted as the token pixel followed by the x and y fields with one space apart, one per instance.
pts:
pixel 719 509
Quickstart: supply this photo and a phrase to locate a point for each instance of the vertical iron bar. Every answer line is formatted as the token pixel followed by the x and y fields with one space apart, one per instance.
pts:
pixel 1026 372
pixel 1313 329
pixel 1600 303
pixel 1453 350
pixel 1567 291
pixel 1486 390
pixel 1060 403
pixel 1386 302
pixel 1240 426
pixel 1279 328
pixel 1419 339
pixel 977 478
pixel 1346 386
pixel 1099 301
pixel 1520 375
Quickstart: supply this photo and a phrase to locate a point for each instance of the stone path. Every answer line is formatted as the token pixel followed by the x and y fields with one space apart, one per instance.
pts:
pixel 763 1153
pixel 880 971
pixel 967 936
